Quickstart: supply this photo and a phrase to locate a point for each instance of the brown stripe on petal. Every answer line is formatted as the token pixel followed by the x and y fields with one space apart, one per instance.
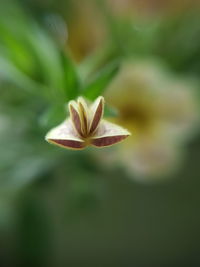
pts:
pixel 76 119
pixel 67 143
pixel 108 140
pixel 97 116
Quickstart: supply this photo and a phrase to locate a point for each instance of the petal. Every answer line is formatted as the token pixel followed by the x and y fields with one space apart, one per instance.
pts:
pixel 97 112
pixel 109 134
pixel 108 140
pixel 75 116
pixel 83 108
pixel 65 136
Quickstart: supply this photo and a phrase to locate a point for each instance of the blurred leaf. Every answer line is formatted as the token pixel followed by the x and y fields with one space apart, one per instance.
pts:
pixel 53 116
pixel 14 39
pixel 49 59
pixel 94 61
pixel 16 51
pixel 175 43
pixel 72 82
pixel 12 74
pixel 99 83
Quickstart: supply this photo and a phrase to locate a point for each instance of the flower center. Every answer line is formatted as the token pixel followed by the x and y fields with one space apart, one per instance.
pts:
pixel 140 116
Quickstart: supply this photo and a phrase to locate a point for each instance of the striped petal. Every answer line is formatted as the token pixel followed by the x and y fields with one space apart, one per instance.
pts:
pixel 83 110
pixel 65 136
pixel 75 116
pixel 97 112
pixel 109 134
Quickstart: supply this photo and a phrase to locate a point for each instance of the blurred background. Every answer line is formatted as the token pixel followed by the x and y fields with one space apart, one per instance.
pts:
pixel 134 204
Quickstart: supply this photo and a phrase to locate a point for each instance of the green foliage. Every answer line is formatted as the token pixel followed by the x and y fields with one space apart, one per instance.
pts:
pixel 178 42
pixel 38 78
pixel 101 80
pixel 72 81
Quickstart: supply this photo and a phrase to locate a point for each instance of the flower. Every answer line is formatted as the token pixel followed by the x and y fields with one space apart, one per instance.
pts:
pixel 161 112
pixel 87 29
pixel 86 127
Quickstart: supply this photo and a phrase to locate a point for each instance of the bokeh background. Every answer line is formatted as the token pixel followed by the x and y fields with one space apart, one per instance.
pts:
pixel 135 204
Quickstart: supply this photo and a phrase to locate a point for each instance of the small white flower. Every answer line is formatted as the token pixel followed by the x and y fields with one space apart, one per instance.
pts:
pixel 85 127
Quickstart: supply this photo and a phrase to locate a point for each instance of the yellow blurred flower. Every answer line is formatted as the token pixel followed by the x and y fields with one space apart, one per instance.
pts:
pixel 86 27
pixel 132 8
pixel 159 110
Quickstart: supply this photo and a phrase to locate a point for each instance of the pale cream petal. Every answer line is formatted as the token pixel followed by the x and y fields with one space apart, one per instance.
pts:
pixel 65 135
pixel 84 102
pixel 150 159
pixel 109 134
pixel 96 110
